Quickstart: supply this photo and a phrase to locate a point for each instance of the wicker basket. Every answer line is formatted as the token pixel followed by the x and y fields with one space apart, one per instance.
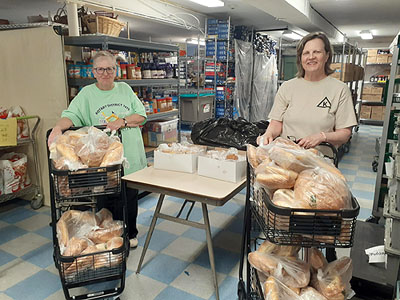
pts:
pixel 104 25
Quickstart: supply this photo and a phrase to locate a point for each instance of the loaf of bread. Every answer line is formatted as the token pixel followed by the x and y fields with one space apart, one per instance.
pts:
pixel 252 155
pixel 274 177
pixel 262 262
pixel 104 216
pixel 288 159
pixel 279 250
pixel 103 235
pixel 317 259
pixel 262 155
pixel 274 289
pixel 67 151
pixel 75 246
pixel 286 198
pixel 285 143
pixel 322 190
pixel 113 155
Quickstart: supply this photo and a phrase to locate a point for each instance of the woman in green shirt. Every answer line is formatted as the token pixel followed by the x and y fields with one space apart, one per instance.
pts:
pixel 115 105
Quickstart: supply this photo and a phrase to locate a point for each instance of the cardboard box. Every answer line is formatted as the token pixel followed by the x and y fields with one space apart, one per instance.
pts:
pixel 377 113
pixel 381 59
pixel 348 71
pixel 186 163
pixel 162 125
pixel 376 90
pixel 154 139
pixel 372 52
pixel 389 58
pixel 371 97
pixel 371 59
pixel 365 112
pixel 227 170
pixel 367 89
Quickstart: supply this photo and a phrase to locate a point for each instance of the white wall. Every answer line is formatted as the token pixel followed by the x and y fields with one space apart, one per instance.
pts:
pixel 32 76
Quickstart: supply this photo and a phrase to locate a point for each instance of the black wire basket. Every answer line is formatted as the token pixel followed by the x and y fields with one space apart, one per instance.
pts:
pixel 86 182
pixel 303 227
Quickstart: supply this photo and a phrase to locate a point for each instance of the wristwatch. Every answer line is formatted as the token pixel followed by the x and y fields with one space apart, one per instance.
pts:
pixel 125 122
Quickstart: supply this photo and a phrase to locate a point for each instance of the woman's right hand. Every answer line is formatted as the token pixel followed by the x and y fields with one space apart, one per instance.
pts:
pixel 265 139
pixel 53 134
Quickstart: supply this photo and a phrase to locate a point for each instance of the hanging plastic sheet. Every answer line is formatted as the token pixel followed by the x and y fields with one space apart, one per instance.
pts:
pixel 265 81
pixel 243 69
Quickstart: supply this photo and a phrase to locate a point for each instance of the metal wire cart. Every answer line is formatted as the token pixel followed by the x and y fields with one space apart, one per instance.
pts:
pixel 81 190
pixel 306 228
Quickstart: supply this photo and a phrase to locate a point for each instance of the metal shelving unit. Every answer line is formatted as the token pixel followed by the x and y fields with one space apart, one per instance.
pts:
pixel 131 82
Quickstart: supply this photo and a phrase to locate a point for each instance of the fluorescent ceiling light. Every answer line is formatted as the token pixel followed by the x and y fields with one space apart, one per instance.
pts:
pixel 366 35
pixel 209 3
pixel 195 41
pixel 292 35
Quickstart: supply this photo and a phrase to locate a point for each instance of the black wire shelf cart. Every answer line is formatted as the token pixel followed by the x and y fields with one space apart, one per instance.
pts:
pixel 306 228
pixel 80 190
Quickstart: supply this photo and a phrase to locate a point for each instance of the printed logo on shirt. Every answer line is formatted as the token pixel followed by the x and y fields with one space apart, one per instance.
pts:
pixel 325 103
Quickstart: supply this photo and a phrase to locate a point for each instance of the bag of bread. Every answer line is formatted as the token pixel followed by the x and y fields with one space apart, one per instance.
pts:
pixel 317 259
pixel 292 272
pixel 279 250
pixel 310 293
pixel 274 289
pixel 274 177
pixel 333 281
pixel 257 155
pixel 286 198
pixel 92 147
pixel 322 190
pixel 104 234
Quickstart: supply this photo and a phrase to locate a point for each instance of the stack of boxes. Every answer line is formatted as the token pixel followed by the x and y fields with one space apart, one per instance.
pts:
pixel 350 72
pixel 372 93
pixel 159 132
pixel 379 56
pixel 372 112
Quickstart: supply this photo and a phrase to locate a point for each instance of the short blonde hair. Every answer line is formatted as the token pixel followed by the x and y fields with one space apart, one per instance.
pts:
pixel 327 47
pixel 102 54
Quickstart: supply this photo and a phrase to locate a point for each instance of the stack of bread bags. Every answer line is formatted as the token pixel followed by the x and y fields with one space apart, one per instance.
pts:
pixel 285 277
pixel 294 177
pixel 81 233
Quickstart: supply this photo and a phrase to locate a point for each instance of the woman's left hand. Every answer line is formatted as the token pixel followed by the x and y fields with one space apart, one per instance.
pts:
pixel 115 125
pixel 311 141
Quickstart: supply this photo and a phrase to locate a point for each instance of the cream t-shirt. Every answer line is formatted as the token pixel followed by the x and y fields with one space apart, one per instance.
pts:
pixel 309 107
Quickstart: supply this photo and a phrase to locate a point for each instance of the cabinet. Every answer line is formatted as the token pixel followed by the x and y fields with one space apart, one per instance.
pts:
pixel 124 44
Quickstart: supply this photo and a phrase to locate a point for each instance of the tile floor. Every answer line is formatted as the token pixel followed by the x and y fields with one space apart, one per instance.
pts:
pixel 176 265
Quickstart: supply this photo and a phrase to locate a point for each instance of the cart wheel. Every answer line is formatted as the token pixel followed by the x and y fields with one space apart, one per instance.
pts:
pixel 37 202
pixel 356 128
pixel 346 148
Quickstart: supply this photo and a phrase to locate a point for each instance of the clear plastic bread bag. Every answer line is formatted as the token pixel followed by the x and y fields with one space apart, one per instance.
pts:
pixel 322 189
pixel 92 147
pixel 274 289
pixel 333 281
pixel 310 293
pixel 272 176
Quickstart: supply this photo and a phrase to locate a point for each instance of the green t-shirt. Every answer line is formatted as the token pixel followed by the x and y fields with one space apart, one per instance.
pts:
pixel 93 106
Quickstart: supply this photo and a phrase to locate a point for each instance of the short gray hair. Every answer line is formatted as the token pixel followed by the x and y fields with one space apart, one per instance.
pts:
pixel 101 54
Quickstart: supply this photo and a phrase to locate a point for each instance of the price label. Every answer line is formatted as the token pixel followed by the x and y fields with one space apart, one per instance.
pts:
pixel 8 132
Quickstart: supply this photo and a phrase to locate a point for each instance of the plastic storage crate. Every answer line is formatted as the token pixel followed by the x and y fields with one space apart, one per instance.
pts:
pixel 197 109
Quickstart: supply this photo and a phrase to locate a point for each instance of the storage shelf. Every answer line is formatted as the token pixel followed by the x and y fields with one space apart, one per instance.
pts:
pixel 131 82
pixel 371 122
pixel 106 42
pixel 162 115
pixel 23 142
pixel 372 103
pixel 379 64
pixel 374 82
pixel 26 191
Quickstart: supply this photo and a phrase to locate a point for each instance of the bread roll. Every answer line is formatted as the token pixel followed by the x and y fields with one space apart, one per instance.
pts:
pixel 67 151
pixel 232 157
pixel 75 246
pixel 113 155
pixel 274 177
pixel 322 190
pixel 271 289
pixel 62 233
pixel 285 198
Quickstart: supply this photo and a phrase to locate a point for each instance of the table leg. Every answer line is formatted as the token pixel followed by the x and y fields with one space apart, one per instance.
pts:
pixel 150 233
pixel 210 247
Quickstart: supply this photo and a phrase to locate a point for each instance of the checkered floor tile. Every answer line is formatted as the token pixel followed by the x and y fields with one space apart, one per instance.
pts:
pixel 176 265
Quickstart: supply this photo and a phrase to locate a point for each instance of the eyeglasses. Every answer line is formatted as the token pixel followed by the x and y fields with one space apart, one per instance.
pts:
pixel 101 70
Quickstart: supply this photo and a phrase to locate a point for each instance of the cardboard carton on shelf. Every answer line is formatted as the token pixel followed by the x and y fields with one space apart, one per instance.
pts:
pixel 372 52
pixel 365 112
pixel 377 113
pixel 371 97
pixel 371 59
pixel 226 170
pixel 348 71
pixel 381 59
pixel 376 90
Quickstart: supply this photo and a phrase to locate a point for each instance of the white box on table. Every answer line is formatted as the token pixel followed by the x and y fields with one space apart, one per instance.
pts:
pixel 175 162
pixel 227 170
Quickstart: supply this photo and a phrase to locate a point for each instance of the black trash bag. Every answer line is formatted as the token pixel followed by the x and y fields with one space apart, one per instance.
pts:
pixel 224 132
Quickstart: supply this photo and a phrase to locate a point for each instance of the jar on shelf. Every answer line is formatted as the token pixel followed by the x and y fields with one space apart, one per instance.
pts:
pixel 154 105
pixel 159 103
pixel 118 74
pixel 169 71
pixel 131 71
pixel 124 71
pixel 169 103
pixel 146 72
pixel 154 71
pixel 138 73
